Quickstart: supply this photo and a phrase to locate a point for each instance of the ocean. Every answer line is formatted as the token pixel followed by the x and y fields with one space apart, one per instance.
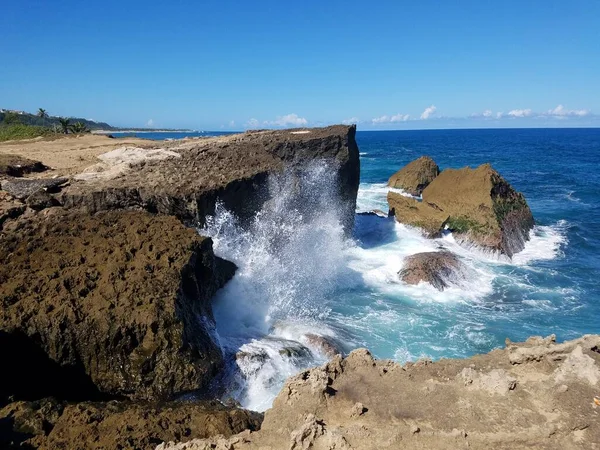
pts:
pixel 302 276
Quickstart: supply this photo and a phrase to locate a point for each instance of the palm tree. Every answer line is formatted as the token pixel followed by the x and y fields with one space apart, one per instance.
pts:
pixel 79 128
pixel 65 124
pixel 42 114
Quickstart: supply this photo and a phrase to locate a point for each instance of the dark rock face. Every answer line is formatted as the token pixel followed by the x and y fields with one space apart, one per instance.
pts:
pixel 50 424
pixel 23 188
pixel 440 269
pixel 415 176
pixel 477 205
pixel 116 304
pixel 17 166
pixel 212 169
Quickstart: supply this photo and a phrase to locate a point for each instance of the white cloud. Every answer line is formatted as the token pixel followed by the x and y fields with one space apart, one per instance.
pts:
pixel 391 119
pixel 288 120
pixel 150 123
pixel 382 119
pixel 232 123
pixel 351 121
pixel 252 123
pixel 520 113
pixel 560 111
pixel 499 115
pixel 486 114
pixel 400 118
pixel 429 111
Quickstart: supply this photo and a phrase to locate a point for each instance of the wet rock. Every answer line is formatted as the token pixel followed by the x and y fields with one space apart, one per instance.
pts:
pixel 23 188
pixel 477 205
pixel 294 350
pixel 323 344
pixel 116 304
pixel 415 176
pixel 440 269
pixel 49 424
pixel 17 166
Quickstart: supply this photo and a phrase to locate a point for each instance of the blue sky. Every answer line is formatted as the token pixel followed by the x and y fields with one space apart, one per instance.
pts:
pixel 233 65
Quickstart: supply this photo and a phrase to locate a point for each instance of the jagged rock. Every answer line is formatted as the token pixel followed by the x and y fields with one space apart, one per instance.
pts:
pixel 477 205
pixel 50 424
pixel 415 176
pixel 23 188
pixel 17 166
pixel 440 269
pixel 9 208
pixel 41 200
pixel 211 169
pixel 112 304
pixel 496 404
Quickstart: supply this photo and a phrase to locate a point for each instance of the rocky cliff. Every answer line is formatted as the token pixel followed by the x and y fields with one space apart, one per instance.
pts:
pixel 106 295
pixel 537 394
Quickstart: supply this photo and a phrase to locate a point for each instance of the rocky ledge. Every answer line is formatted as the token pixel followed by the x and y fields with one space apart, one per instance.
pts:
pixel 479 206
pixel 537 394
pixel 105 293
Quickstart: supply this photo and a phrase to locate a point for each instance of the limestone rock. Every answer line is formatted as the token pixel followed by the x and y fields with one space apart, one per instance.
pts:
pixel 477 205
pixel 10 208
pixel 17 166
pixel 493 404
pixel 417 214
pixel 22 188
pixel 112 304
pixel 440 269
pixel 415 176
pixel 210 169
pixel 50 424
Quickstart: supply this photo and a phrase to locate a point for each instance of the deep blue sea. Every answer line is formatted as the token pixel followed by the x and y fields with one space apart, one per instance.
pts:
pixel 320 282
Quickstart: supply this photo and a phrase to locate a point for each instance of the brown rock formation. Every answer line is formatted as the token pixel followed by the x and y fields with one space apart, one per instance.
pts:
pixel 440 269
pixel 48 424
pixel 480 207
pixel 117 303
pixel 17 166
pixel 208 169
pixel 538 394
pixel 415 176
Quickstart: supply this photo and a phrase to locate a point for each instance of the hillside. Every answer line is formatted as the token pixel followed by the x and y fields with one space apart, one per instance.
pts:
pixel 33 120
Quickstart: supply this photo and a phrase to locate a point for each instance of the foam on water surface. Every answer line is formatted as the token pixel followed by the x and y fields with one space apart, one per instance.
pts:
pixel 299 275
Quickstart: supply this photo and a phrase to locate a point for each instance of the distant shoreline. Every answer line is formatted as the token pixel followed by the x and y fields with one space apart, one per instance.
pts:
pixel 143 131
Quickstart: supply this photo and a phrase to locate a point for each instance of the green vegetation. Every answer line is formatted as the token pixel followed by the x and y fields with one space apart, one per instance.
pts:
pixel 502 207
pixel 19 131
pixel 463 224
pixel 15 125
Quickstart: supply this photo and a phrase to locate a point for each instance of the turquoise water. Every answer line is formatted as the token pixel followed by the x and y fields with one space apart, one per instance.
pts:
pixel 299 275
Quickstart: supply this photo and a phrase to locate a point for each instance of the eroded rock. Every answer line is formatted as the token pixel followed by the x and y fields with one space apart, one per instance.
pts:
pixel 17 166
pixel 50 424
pixel 113 304
pixel 440 269
pixel 493 404
pixel 415 176
pixel 477 205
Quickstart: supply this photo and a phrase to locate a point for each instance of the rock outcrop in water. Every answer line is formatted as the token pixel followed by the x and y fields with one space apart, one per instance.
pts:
pixel 477 205
pixel 440 269
pixel 537 394
pixel 415 176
